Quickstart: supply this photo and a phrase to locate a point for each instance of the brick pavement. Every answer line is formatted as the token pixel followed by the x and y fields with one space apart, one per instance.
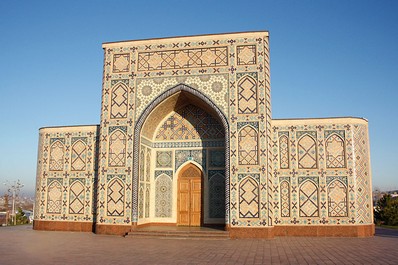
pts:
pixel 22 245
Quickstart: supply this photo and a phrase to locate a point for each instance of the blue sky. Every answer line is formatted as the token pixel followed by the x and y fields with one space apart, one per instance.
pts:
pixel 328 58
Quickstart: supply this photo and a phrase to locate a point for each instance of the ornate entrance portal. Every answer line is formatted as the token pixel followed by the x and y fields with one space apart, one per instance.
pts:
pixel 190 196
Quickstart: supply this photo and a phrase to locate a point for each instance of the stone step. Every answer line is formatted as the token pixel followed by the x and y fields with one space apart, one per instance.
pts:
pixel 175 234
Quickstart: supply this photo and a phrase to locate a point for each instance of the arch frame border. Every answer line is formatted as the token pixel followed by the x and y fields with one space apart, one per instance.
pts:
pixel 136 142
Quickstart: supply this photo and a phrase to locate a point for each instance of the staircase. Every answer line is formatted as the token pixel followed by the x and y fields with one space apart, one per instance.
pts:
pixel 179 233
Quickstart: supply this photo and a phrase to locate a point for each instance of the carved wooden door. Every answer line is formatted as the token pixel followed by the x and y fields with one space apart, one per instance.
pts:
pixel 190 196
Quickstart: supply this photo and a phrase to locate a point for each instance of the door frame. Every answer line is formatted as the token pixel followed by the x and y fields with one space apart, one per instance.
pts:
pixel 179 174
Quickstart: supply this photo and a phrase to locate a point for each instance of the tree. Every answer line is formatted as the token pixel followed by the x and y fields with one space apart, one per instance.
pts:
pixel 386 211
pixel 20 217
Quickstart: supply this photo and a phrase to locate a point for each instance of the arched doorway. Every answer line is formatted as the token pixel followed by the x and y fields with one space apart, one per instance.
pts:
pixel 183 131
pixel 190 196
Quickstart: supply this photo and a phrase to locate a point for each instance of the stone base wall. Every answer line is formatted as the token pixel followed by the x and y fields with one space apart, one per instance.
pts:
pixel 119 230
pixel 63 226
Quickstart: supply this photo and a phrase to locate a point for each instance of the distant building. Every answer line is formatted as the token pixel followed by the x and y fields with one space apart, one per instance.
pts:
pixel 187 139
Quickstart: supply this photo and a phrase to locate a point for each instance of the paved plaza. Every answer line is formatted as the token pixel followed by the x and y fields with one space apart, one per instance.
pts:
pixel 22 245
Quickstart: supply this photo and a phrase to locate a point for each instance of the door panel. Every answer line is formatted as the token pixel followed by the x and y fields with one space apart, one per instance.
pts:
pixel 184 202
pixel 190 196
pixel 196 202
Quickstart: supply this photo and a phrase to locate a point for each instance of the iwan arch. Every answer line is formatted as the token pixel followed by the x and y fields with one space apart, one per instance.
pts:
pixel 187 139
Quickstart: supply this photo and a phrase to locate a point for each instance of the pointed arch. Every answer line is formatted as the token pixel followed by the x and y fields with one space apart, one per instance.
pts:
pixel 284 152
pixel 308 199
pixel 147 200
pixel 148 165
pixel 142 163
pixel 115 197
pixel 248 146
pixel 163 196
pixel 76 198
pixel 117 149
pixel 307 152
pixel 146 113
pixel 57 153
pixel 54 197
pixel 337 199
pixel 78 156
pixel 285 198
pixel 141 202
pixel 247 95
pixel 119 101
pixel 335 151
pixel 248 198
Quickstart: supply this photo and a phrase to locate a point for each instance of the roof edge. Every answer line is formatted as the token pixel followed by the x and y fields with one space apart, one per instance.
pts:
pixel 186 36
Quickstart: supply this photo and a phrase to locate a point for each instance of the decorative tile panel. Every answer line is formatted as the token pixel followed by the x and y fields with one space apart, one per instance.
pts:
pixel 115 197
pixel 216 193
pixel 79 154
pixel 307 152
pixel 308 199
pixel 76 197
pixel 337 199
pixel 163 197
pixel 57 156
pixel 119 101
pixel 184 58
pixel 335 151
pixel 164 159
pixel 121 63
pixel 247 94
pixel 54 196
pixel 246 54
pixel 248 146
pixel 248 198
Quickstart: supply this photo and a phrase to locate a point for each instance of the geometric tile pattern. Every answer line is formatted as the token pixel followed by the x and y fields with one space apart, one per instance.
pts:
pixel 163 159
pixel 181 156
pixel 121 63
pixel 214 86
pixel 79 154
pixel 190 123
pixel 117 149
pixel 284 151
pixel 248 198
pixel 115 201
pixel 54 196
pixel 285 198
pixel 248 146
pixel 216 194
pixel 337 199
pixel 76 198
pixel 119 101
pixel 217 158
pixel 308 199
pixel 246 54
pixel 57 156
pixel 335 152
pixel 247 95
pixel 163 196
pixel 141 201
pixel 307 154
pixel 186 58
pixel 148 166
pixel 142 163
pixel 147 200
pixel 363 190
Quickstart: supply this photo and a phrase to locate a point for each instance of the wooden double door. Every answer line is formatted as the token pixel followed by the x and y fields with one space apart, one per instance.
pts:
pixel 190 196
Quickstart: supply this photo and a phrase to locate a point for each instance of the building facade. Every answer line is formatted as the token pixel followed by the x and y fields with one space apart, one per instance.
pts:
pixel 187 138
